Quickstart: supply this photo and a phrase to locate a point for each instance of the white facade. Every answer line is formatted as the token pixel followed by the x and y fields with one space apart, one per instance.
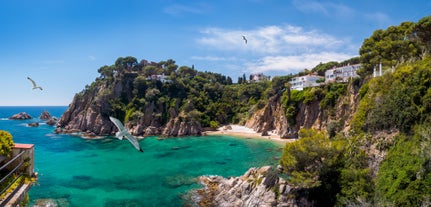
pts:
pixel 301 82
pixel 257 77
pixel 342 74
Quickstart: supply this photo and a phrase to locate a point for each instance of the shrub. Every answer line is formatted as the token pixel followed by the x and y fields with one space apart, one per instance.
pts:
pixel 6 143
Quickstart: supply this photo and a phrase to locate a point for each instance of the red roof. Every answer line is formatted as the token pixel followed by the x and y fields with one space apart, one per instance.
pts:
pixel 23 146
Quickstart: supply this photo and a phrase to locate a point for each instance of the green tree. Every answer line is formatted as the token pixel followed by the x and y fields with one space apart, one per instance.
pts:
pixel 389 47
pixel 404 179
pixel 423 32
pixel 6 143
pixel 314 162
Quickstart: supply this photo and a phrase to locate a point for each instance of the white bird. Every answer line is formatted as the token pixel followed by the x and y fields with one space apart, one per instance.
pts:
pixel 123 132
pixel 34 84
pixel 245 39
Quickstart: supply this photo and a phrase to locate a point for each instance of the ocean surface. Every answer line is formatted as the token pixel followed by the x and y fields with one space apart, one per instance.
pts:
pixel 110 172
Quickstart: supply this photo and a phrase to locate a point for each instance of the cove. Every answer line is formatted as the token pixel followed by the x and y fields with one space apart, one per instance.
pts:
pixel 109 172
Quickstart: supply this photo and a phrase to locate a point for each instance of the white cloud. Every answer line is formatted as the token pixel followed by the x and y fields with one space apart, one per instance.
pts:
pixel 295 63
pixel 282 49
pixel 273 39
pixel 91 57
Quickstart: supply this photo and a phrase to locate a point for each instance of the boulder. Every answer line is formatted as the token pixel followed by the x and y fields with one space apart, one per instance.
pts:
pixel 45 115
pixel 35 124
pixel 51 121
pixel 20 116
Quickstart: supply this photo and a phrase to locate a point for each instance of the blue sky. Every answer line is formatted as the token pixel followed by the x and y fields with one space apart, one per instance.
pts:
pixel 62 44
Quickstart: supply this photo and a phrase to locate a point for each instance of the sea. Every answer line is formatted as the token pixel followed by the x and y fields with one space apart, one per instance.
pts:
pixel 73 171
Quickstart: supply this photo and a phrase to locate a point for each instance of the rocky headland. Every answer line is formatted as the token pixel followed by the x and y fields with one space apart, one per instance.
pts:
pixel 257 187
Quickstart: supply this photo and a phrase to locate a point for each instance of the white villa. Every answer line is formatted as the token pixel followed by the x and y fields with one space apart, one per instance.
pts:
pixel 301 82
pixel 342 74
pixel 257 77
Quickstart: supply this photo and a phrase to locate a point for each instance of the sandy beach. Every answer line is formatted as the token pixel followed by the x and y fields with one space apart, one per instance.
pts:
pixel 245 132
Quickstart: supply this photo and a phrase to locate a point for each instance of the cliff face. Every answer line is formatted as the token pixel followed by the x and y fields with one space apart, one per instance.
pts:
pixel 90 110
pixel 272 117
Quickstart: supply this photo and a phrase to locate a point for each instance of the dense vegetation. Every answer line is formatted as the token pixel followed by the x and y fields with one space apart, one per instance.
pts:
pixel 385 159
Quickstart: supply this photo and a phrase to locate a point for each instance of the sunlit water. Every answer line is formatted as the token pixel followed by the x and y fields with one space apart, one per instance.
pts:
pixel 111 172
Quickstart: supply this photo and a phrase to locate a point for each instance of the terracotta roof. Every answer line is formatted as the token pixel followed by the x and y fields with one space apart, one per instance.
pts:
pixel 23 146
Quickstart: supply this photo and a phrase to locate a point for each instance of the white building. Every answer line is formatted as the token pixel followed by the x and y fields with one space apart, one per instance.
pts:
pixel 342 74
pixel 257 77
pixel 301 82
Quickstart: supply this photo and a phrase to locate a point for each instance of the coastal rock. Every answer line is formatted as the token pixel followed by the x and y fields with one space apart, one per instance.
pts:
pixel 257 187
pixel 35 124
pixel 20 116
pixel 45 115
pixel 52 121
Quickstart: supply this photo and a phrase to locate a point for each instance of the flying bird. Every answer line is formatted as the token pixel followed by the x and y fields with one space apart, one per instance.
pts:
pixel 245 39
pixel 123 132
pixel 34 84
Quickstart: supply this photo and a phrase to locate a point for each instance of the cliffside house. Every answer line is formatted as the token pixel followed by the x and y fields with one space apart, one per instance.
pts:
pixel 301 82
pixel 342 74
pixel 14 170
pixel 257 77
pixel 161 78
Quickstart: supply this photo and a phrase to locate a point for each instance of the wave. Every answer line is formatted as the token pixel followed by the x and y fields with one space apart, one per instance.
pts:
pixel 4 119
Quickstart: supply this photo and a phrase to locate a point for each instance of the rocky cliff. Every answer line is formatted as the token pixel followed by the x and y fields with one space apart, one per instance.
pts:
pixel 90 110
pixel 260 187
pixel 272 118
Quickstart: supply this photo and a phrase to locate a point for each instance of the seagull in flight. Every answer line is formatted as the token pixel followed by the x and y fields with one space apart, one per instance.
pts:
pixel 34 84
pixel 245 39
pixel 123 132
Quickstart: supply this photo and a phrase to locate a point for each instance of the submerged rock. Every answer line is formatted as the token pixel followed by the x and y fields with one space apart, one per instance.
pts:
pixel 20 116
pixel 35 124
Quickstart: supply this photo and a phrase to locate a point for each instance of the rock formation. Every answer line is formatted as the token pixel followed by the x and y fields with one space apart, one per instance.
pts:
pixel 52 121
pixel 45 115
pixel 89 113
pixel 272 117
pixel 20 116
pixel 35 124
pixel 257 187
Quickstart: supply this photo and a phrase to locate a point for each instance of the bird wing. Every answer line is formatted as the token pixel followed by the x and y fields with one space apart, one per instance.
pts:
pixel 117 123
pixel 32 81
pixel 123 132
pixel 134 141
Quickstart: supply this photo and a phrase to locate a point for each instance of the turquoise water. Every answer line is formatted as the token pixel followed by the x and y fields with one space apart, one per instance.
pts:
pixel 111 172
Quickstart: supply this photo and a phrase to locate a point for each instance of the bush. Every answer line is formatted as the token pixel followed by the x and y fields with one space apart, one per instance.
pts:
pixel 6 143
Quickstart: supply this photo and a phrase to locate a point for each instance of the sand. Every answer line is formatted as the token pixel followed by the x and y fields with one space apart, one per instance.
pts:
pixel 245 132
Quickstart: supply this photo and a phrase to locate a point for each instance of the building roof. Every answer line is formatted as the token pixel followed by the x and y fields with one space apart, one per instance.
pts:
pixel 23 146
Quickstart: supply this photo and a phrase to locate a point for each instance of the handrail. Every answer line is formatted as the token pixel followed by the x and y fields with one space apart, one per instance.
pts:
pixel 13 159
pixel 12 171
pixel 7 199
pixel 10 184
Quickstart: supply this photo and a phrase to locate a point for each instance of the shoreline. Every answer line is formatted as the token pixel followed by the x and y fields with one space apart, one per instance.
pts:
pixel 245 132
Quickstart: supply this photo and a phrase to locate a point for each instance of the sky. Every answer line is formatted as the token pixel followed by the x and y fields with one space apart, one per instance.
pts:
pixel 62 44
